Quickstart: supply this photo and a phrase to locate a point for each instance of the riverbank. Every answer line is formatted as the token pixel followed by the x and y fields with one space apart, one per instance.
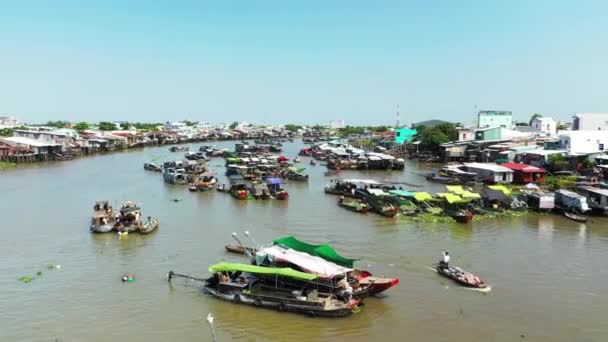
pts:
pixel 6 165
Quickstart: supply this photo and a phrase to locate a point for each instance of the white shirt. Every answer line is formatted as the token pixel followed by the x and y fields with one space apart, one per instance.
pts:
pixel 446 258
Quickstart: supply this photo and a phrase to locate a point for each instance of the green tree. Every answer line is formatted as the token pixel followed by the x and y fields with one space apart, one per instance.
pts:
pixel 57 124
pixel 292 128
pixel 81 126
pixel 190 123
pixel 106 126
pixel 233 125
pixel 534 116
pixel 557 162
pixel 449 130
pixel 146 126
pixel 125 125
pixel 6 132
pixel 431 138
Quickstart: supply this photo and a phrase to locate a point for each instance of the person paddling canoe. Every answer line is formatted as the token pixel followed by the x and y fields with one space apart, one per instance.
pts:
pixel 444 262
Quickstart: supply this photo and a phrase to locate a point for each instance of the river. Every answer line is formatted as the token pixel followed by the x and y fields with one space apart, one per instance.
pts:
pixel 547 273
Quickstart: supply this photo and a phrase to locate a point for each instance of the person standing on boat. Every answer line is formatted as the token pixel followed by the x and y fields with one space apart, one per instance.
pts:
pixel 444 262
pixel 346 291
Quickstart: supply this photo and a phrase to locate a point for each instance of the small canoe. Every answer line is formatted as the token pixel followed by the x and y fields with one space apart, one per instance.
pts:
pixel 461 277
pixel 355 206
pixel 149 227
pixel 575 217
pixel 238 249
pixel 377 285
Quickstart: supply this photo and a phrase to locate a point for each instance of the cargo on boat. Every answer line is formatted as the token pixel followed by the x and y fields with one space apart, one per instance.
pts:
pixel 103 217
pixel 264 287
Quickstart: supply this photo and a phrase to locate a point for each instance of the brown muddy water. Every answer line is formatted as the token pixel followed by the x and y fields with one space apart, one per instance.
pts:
pixel 548 274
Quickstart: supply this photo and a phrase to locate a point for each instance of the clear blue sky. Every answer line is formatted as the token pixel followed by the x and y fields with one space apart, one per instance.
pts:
pixel 301 62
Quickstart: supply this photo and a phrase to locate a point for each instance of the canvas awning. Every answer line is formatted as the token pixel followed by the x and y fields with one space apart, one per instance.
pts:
pixel 422 196
pixel 322 251
pixel 308 263
pixel 401 193
pixel 286 272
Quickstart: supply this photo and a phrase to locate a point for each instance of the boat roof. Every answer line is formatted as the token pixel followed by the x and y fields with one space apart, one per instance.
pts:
pixel 458 190
pixel 451 198
pixel 377 192
pixel 422 196
pixel 323 251
pixel 601 192
pixel 362 181
pixel 309 263
pixel 489 167
pixel 401 193
pixel 284 271
pixel 502 188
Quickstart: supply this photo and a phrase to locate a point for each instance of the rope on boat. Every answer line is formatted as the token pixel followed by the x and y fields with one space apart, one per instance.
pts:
pixel 172 275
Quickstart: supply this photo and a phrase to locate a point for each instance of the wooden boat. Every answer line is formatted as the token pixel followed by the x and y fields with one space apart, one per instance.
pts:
pixel 461 216
pixel 356 206
pixel 263 287
pixel 222 188
pixel 148 227
pixel 326 252
pixel 128 220
pixel 178 148
pixel 295 176
pixel 376 284
pixel 238 249
pixel 103 218
pixel 461 277
pixel 152 167
pixel 276 190
pixel 576 217
pixel 443 180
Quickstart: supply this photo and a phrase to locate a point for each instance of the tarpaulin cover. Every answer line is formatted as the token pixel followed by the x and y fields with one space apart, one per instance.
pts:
pixel 304 261
pixel 422 196
pixel 286 272
pixel 323 251
pixel 502 188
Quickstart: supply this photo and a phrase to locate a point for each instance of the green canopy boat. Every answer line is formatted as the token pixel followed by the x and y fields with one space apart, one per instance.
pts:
pixel 285 272
pixel 322 251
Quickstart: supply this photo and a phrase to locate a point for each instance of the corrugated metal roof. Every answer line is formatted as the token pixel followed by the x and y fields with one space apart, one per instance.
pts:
pixel 27 141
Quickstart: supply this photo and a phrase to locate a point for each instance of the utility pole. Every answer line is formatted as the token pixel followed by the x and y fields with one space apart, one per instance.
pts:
pixel 397 124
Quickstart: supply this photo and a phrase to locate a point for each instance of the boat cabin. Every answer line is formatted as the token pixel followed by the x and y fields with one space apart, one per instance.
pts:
pixel 597 199
pixel 568 200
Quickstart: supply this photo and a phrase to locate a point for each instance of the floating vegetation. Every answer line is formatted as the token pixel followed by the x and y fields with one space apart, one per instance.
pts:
pixel 5 165
pixel 25 279
pixel 28 279
pixel 429 217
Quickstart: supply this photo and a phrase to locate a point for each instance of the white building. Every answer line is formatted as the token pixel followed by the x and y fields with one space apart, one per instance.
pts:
pixel 8 122
pixel 337 124
pixel 175 126
pixel 545 125
pixel 466 134
pixel 588 141
pixel 204 126
pixel 590 122
pixel 494 118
